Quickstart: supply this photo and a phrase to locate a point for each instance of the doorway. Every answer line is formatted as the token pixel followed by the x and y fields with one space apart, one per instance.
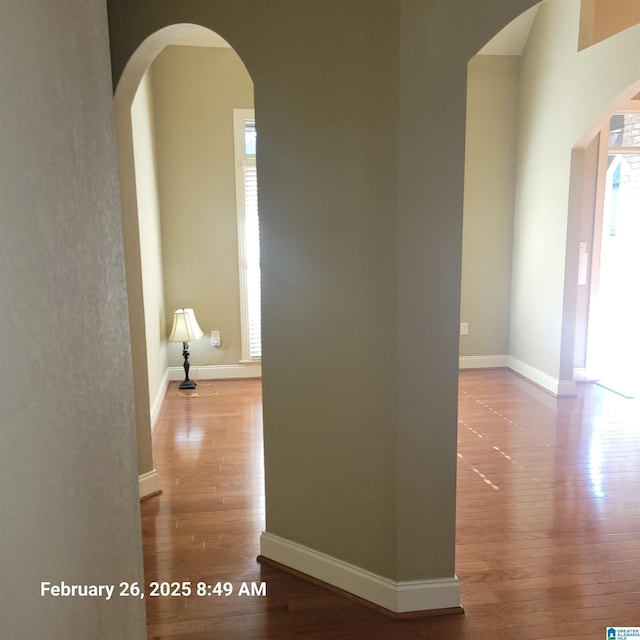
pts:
pixel 176 157
pixel 614 343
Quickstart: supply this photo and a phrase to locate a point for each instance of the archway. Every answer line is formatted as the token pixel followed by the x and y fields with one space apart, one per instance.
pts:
pixel 176 173
pixel 540 253
pixel 606 176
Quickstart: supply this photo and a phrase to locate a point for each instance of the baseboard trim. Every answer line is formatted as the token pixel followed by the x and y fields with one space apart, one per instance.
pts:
pixel 218 372
pixel 484 362
pixel 556 387
pixel 397 597
pixel 567 389
pixel 580 374
pixel 148 483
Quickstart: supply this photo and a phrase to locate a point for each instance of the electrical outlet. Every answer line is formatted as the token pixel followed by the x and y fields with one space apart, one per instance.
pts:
pixel 464 328
pixel 215 338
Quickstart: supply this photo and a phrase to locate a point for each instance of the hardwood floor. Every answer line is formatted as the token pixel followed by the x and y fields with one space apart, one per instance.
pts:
pixel 548 533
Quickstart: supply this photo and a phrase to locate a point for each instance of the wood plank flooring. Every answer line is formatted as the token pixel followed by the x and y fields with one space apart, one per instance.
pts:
pixel 548 529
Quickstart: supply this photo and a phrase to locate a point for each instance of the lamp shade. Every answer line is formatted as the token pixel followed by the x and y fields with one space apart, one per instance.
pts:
pixel 185 326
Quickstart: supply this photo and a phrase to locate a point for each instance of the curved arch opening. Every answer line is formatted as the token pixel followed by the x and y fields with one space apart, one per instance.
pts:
pixel 489 193
pixel 174 107
pixel 531 122
pixel 608 171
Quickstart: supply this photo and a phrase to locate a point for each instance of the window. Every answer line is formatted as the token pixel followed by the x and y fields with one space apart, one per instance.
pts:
pixel 244 127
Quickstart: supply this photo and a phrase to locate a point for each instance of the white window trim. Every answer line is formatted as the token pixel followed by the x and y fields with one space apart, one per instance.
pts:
pixel 242 160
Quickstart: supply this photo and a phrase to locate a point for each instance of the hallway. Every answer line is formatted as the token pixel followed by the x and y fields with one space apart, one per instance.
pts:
pixel 548 516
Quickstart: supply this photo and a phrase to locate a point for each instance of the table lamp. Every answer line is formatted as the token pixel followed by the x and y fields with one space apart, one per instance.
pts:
pixel 185 329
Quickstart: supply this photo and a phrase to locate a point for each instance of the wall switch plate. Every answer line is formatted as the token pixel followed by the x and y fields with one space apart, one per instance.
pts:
pixel 215 338
pixel 464 328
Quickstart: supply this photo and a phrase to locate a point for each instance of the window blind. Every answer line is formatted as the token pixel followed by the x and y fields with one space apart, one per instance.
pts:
pixel 252 254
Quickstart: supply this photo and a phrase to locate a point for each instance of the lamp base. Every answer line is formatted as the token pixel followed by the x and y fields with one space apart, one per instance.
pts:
pixel 187 384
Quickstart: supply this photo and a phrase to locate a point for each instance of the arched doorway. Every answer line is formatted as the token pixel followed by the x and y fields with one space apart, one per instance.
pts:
pixel 611 349
pixel 174 107
pixel 535 180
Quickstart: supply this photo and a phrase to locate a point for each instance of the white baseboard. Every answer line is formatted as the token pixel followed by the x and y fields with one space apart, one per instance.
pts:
pixel 580 374
pixel 549 383
pixel 148 483
pixel 567 389
pixel 218 371
pixel 555 386
pixel 484 362
pixel 156 405
pixel 397 597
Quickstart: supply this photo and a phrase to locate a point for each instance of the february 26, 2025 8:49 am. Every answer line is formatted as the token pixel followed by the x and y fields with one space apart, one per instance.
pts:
pixel 183 589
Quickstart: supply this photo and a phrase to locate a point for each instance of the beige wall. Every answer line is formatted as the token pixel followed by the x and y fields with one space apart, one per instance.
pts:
pixel 69 503
pixel 327 168
pixel 143 125
pixel 489 186
pixel 195 90
pixel 139 209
